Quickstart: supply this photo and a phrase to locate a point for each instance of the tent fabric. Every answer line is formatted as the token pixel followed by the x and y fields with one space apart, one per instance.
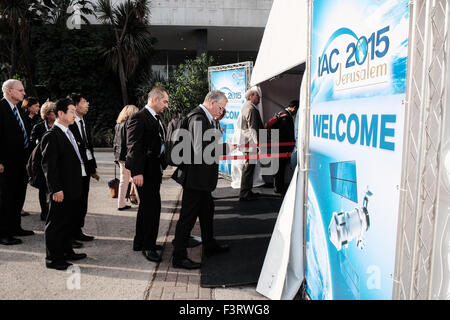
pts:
pixel 283 46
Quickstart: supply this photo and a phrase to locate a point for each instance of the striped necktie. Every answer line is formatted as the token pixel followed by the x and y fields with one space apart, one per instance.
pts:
pixel 25 136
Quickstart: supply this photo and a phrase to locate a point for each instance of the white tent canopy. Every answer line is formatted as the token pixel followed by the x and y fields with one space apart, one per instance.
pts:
pixel 283 46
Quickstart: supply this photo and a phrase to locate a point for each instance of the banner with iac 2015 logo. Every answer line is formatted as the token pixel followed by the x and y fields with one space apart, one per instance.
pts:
pixel 233 83
pixel 358 82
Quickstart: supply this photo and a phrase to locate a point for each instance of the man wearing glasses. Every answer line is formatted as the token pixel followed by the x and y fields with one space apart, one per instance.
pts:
pixel 83 138
pixel 14 151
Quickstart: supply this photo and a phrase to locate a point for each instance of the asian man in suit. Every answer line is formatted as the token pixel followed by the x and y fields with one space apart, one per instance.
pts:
pixel 145 159
pixel 82 135
pixel 14 152
pixel 64 169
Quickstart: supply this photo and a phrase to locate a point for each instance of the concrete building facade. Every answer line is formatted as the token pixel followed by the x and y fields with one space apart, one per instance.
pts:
pixel 229 30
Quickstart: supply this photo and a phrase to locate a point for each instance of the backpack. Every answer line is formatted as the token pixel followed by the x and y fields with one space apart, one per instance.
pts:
pixel 172 138
pixel 273 122
pixel 34 168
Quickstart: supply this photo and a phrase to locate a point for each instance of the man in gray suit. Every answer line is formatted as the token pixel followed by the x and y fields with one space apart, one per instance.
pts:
pixel 250 125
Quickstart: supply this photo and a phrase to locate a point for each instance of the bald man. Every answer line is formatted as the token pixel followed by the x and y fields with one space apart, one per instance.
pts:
pixel 15 145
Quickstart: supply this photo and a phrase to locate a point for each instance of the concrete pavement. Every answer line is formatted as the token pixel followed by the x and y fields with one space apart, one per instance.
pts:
pixel 112 270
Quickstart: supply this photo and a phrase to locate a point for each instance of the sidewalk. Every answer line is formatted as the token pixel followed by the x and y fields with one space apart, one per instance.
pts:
pixel 112 270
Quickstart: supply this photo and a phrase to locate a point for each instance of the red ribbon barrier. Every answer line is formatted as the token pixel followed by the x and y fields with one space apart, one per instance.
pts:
pixel 257 156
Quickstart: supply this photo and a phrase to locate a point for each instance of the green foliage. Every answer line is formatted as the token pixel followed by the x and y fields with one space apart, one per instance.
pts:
pixel 68 61
pixel 189 86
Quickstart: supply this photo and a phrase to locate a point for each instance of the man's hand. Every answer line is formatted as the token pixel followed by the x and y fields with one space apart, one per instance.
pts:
pixel 2 168
pixel 138 180
pixel 58 196
pixel 95 176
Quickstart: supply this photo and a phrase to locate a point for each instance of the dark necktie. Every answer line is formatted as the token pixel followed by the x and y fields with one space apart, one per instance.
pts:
pixel 83 134
pixel 25 136
pixel 161 131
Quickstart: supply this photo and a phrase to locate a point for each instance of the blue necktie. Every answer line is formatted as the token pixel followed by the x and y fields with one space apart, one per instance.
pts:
pixel 25 136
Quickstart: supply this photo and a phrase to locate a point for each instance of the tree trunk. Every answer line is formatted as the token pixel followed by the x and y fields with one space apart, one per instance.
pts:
pixel 123 79
pixel 13 53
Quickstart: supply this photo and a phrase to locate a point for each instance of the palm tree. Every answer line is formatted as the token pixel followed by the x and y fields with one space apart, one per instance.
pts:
pixel 132 40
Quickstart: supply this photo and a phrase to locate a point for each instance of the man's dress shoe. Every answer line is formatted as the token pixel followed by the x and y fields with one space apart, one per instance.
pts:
pixel 58 265
pixel 215 249
pixel 23 233
pixel 76 244
pixel 84 237
pixel 75 256
pixel 151 255
pixel 185 263
pixel 9 241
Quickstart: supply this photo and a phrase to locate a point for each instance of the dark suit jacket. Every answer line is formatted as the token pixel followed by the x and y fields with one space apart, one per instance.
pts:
pixel 60 164
pixel 285 125
pixel 90 165
pixel 12 153
pixel 144 147
pixel 201 176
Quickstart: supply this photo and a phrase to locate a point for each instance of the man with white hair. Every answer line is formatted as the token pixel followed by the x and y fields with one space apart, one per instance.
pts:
pixel 250 126
pixel 14 151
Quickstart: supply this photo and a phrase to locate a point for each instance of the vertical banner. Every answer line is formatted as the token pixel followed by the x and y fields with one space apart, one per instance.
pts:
pixel 232 80
pixel 358 81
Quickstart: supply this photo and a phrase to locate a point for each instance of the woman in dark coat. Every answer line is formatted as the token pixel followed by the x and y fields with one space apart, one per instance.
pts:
pixel 120 152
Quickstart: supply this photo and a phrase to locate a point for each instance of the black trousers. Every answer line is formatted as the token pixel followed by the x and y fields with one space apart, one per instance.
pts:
pixel 194 203
pixel 247 178
pixel 279 182
pixel 43 201
pixel 148 215
pixel 82 206
pixel 60 221
pixel 12 200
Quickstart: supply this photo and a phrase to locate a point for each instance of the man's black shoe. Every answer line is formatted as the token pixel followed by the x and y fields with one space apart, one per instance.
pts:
pixel 76 244
pixel 75 256
pixel 23 233
pixel 83 237
pixel 215 249
pixel 151 255
pixel 124 208
pixel 185 263
pixel 9 241
pixel 58 265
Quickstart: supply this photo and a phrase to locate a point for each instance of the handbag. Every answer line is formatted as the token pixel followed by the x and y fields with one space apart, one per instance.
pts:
pixel 113 185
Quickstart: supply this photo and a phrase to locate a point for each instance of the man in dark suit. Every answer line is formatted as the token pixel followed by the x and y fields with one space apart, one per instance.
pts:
pixel 14 151
pixel 250 126
pixel 145 159
pixel 285 127
pixel 200 179
pixel 83 137
pixel 63 169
